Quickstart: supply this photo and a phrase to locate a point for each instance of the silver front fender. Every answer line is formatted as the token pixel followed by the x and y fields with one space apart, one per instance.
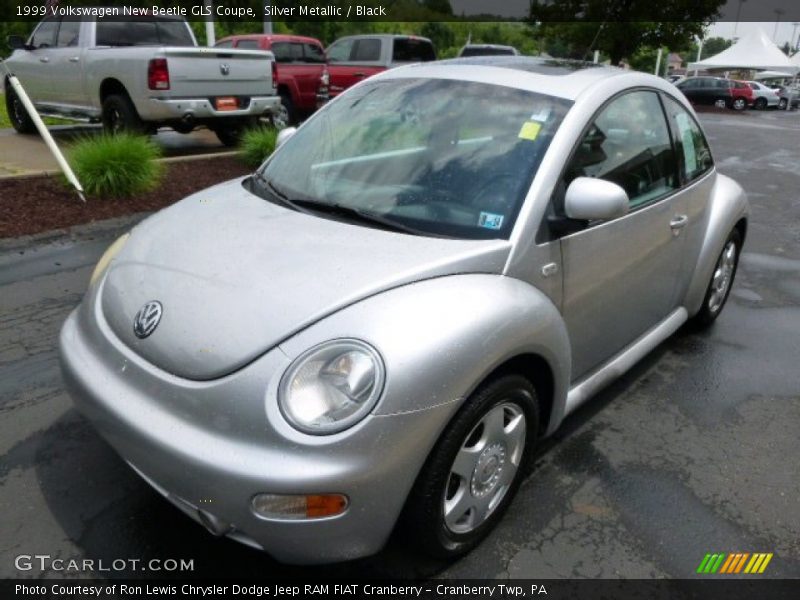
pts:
pixel 440 338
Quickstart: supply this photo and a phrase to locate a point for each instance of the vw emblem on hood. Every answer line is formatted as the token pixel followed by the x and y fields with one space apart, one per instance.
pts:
pixel 224 68
pixel 147 319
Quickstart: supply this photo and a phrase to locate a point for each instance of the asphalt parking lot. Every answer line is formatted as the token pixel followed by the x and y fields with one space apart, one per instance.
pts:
pixel 693 451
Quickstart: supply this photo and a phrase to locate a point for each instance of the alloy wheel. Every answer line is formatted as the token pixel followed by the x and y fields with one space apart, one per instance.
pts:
pixel 484 467
pixel 723 276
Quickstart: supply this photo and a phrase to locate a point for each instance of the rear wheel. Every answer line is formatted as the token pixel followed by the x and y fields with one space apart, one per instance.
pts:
pixel 17 114
pixel 475 469
pixel 761 103
pixel 230 134
pixel 286 114
pixel 782 103
pixel 721 103
pixel 739 104
pixel 719 288
pixel 119 115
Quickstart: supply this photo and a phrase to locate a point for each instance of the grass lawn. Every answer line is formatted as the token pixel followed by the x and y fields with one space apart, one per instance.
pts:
pixel 5 122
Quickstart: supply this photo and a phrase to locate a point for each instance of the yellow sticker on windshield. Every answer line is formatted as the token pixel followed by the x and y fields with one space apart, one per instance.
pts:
pixel 529 131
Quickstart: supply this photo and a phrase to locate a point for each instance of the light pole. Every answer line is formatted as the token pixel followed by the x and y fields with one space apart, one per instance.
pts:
pixel 778 12
pixel 738 12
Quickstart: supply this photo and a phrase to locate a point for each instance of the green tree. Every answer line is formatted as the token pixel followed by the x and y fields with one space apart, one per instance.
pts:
pixel 618 28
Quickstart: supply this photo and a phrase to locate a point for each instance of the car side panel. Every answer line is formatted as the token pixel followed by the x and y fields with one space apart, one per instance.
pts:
pixel 440 338
pixel 727 205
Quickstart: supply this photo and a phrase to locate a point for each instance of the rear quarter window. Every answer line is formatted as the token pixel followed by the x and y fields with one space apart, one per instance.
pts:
pixel 412 50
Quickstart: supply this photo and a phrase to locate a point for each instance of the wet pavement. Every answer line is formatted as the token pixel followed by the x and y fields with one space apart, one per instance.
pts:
pixel 694 451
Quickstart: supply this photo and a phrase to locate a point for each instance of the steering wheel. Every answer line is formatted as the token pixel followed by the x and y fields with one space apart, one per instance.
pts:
pixel 497 194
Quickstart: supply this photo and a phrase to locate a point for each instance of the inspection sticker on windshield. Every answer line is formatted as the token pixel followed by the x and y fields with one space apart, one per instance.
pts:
pixel 529 131
pixel 490 220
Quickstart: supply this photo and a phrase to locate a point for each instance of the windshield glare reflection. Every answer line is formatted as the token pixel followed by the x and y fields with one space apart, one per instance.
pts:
pixel 445 157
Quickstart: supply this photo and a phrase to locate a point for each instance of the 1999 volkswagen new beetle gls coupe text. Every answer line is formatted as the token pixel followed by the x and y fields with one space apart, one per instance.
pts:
pixel 378 325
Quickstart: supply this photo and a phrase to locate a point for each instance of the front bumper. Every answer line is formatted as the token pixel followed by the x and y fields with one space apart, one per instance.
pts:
pixel 208 449
pixel 167 109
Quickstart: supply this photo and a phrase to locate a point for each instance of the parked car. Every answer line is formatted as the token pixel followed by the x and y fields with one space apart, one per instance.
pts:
pixel 764 96
pixel 488 50
pixel 137 75
pixel 354 58
pixel 786 94
pixel 377 328
pixel 743 95
pixel 301 71
pixel 716 91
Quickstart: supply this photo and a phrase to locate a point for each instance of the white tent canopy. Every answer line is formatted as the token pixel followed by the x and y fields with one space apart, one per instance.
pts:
pixel 755 51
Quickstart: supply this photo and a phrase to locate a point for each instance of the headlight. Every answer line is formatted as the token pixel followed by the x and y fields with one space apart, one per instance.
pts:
pixel 107 257
pixel 331 387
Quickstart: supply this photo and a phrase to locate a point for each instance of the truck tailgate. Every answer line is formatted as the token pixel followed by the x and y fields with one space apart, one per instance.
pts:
pixel 206 72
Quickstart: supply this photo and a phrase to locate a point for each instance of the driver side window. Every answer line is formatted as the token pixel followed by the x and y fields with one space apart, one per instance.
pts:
pixel 629 144
pixel 45 34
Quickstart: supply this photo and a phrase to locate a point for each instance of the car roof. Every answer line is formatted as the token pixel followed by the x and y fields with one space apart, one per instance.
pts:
pixel 272 37
pixel 385 36
pixel 555 77
pixel 488 46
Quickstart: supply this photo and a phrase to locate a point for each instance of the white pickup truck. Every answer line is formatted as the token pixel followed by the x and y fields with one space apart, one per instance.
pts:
pixel 139 75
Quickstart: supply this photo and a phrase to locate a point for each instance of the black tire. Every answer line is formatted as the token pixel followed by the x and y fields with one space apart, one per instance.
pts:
pixel 288 116
pixel 739 104
pixel 761 104
pixel 722 103
pixel 423 522
pixel 230 134
pixel 713 305
pixel 782 103
pixel 119 115
pixel 17 114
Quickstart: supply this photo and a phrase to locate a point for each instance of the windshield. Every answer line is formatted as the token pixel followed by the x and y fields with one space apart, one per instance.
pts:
pixel 433 156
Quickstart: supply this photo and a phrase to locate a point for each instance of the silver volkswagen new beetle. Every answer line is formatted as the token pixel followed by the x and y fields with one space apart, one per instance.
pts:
pixel 376 328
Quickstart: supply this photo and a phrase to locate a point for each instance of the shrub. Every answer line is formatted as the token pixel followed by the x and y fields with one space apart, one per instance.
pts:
pixel 116 165
pixel 257 144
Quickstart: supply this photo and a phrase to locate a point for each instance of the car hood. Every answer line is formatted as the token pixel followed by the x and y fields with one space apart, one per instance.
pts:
pixel 236 275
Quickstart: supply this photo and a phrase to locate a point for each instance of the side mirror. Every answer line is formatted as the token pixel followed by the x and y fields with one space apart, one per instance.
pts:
pixel 283 135
pixel 591 199
pixel 16 42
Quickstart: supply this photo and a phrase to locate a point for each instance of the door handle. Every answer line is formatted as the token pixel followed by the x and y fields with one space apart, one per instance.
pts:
pixel 44 59
pixel 74 58
pixel 678 222
pixel 359 74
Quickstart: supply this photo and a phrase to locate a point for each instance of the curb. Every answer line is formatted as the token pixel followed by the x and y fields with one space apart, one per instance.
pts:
pixel 168 159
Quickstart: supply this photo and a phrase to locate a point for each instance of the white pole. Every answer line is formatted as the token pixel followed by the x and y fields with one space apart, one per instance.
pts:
pixel 51 143
pixel 267 19
pixel 211 37
pixel 699 54
pixel 658 61
pixel 596 56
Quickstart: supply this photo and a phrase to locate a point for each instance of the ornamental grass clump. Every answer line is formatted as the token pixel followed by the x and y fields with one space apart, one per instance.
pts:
pixel 257 144
pixel 116 166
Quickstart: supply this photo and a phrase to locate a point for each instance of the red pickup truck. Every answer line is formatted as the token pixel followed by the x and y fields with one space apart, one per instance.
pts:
pixel 301 71
pixel 356 57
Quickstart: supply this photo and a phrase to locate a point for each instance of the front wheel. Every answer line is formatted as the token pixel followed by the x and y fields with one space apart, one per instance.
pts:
pixel 475 469
pixel 761 104
pixel 721 103
pixel 719 288
pixel 17 114
pixel 739 104
pixel 782 103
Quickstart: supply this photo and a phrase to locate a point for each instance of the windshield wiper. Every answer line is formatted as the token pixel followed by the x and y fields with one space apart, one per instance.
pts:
pixel 361 216
pixel 309 206
pixel 278 195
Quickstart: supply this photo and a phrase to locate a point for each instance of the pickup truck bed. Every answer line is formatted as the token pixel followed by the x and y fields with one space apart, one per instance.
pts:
pixel 122 74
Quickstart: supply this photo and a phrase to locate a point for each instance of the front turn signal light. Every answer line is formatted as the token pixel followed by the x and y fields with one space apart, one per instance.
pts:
pixel 296 507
